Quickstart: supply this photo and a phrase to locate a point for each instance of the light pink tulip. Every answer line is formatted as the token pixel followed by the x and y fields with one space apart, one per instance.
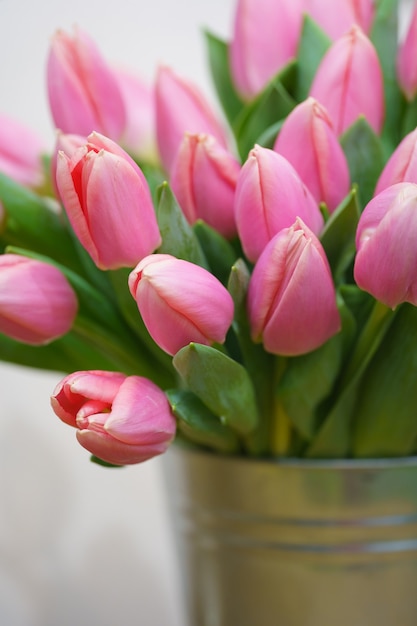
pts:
pixel 180 109
pixel 119 419
pixel 386 259
pixel 335 18
pixel 180 302
pixel 402 164
pixel 291 296
pixel 20 153
pixel 265 38
pixel 84 93
pixel 269 197
pixel 108 202
pixel 37 304
pixel 203 179
pixel 349 82
pixel 308 141
pixel 406 59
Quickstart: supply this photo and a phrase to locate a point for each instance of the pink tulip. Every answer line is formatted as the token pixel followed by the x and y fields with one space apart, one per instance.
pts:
pixel 265 38
pixel 120 419
pixel 335 18
pixel 386 259
pixel 269 197
pixel 203 178
pixel 37 304
pixel 308 141
pixel 84 93
pixel 402 164
pixel 291 297
pixel 108 202
pixel 406 59
pixel 20 153
pixel 181 108
pixel 349 82
pixel 180 302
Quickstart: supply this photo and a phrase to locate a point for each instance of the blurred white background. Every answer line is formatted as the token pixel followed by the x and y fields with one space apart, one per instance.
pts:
pixel 80 544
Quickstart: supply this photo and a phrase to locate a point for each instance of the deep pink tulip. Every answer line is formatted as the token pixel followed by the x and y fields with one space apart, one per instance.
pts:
pixel 406 59
pixel 203 179
pixel 180 109
pixel 108 202
pixel 20 153
pixel 291 297
pixel 386 259
pixel 269 197
pixel 402 164
pixel 180 302
pixel 120 419
pixel 37 304
pixel 84 93
pixel 349 82
pixel 308 141
pixel 265 38
pixel 335 18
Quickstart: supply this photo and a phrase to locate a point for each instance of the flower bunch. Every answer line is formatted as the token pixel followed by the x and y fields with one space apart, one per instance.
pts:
pixel 246 281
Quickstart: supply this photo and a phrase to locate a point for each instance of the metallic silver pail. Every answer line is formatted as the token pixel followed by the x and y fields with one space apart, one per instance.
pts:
pixel 295 543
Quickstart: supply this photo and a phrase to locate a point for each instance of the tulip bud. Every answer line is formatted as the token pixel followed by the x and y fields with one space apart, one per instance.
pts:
pixel 269 197
pixel 291 297
pixel 335 18
pixel 203 178
pixel 108 202
pixel 386 259
pixel 402 164
pixel 120 419
pixel 308 141
pixel 181 108
pixel 265 38
pixel 180 302
pixel 348 73
pixel 20 153
pixel 406 59
pixel 84 93
pixel 37 304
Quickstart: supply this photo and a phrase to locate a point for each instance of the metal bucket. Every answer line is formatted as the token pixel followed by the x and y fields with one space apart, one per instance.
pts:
pixel 295 543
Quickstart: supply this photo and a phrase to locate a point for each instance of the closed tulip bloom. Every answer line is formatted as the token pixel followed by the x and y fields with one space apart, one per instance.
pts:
pixel 402 164
pixel 386 259
pixel 37 304
pixel 180 109
pixel 335 18
pixel 265 38
pixel 346 77
pixel 203 179
pixel 269 196
pixel 180 302
pixel 291 297
pixel 119 419
pixel 108 202
pixel 84 93
pixel 20 153
pixel 309 142
pixel 406 59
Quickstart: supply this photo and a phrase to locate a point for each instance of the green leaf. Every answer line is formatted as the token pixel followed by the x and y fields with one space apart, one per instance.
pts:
pixel 365 157
pixel 311 49
pixel 199 425
pixel 222 384
pixel 218 251
pixel 218 56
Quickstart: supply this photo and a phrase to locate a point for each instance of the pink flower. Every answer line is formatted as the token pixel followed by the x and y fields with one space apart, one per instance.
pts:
pixel 402 164
pixel 406 59
pixel 84 93
pixel 386 259
pixel 349 82
pixel 269 197
pixel 120 419
pixel 108 202
pixel 180 109
pixel 180 302
pixel 308 141
pixel 291 297
pixel 335 18
pixel 37 304
pixel 203 178
pixel 20 153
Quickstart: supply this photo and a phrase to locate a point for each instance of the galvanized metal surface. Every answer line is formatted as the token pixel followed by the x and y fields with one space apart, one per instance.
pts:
pixel 324 543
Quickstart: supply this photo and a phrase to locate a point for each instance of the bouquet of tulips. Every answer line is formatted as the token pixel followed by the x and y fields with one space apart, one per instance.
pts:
pixel 244 282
